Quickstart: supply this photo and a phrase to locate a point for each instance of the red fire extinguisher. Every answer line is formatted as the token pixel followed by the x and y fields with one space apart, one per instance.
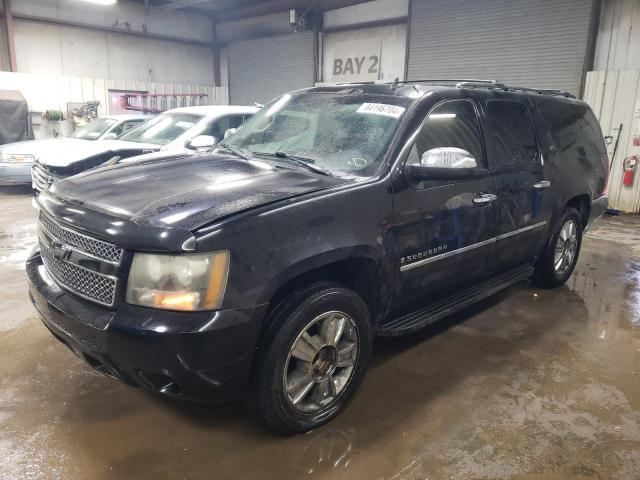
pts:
pixel 629 169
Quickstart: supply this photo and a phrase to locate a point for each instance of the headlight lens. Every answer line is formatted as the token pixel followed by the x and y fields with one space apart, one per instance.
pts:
pixel 16 157
pixel 178 282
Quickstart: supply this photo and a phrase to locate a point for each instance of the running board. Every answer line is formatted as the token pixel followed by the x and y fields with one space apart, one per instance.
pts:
pixel 421 318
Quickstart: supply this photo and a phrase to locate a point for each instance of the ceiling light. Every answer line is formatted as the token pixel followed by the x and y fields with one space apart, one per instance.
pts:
pixel 102 2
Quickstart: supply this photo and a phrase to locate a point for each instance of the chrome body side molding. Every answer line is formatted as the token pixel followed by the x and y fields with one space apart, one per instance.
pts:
pixel 435 258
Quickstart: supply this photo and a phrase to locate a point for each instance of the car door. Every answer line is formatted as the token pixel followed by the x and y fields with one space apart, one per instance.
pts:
pixel 445 228
pixel 515 161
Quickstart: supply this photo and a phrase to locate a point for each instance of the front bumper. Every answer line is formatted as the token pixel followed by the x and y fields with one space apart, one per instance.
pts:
pixel 15 173
pixel 202 356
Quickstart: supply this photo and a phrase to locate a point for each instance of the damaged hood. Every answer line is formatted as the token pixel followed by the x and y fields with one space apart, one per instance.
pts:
pixel 62 152
pixel 187 192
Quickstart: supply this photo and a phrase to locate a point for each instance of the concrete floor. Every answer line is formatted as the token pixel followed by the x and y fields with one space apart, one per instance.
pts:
pixel 530 384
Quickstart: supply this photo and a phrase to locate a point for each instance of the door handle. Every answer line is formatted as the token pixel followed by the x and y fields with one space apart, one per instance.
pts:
pixel 542 185
pixel 485 198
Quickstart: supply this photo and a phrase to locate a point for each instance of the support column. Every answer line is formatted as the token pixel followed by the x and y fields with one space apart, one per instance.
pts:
pixel 8 26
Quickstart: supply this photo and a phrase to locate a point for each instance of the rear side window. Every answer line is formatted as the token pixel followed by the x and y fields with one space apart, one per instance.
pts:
pixel 451 124
pixel 574 128
pixel 511 133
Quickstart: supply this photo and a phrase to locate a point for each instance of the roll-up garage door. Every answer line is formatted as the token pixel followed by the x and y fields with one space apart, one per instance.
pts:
pixel 541 43
pixel 264 68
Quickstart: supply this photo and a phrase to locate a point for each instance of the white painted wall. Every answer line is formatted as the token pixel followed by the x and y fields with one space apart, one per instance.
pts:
pixel 390 41
pixel 61 50
pixel 618 40
pixel 55 49
pixel 365 12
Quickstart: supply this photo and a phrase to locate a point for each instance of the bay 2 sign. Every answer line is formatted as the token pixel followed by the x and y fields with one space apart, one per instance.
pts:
pixel 355 60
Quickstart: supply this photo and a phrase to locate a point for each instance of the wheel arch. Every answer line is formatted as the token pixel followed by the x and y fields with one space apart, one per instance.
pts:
pixel 360 270
pixel 582 203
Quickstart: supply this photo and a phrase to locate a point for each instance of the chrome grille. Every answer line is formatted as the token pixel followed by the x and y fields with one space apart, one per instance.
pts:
pixel 41 179
pixel 92 246
pixel 85 283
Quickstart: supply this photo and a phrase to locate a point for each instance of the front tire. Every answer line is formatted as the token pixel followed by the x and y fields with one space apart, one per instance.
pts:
pixel 559 258
pixel 312 358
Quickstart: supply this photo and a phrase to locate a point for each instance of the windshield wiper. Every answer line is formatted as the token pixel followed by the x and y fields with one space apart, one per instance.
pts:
pixel 301 161
pixel 238 152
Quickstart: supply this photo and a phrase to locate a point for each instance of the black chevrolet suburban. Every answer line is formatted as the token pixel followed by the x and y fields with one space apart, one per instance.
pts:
pixel 264 269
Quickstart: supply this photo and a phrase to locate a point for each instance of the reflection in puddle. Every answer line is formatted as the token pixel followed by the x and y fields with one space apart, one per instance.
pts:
pixel 328 451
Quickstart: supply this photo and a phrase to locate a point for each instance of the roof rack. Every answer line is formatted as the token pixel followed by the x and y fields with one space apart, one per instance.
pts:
pixel 512 88
pixel 489 84
pixel 397 81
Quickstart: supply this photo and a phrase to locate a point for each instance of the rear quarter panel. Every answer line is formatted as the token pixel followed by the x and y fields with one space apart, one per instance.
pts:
pixel 573 150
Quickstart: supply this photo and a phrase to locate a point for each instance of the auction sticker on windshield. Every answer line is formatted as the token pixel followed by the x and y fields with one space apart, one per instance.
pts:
pixel 381 109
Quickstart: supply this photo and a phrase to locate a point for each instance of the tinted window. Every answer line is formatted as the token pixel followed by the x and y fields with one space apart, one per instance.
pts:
pixel 573 127
pixel 512 132
pixel 451 124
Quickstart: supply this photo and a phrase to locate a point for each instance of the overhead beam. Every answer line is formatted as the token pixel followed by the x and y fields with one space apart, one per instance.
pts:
pixel 274 6
pixel 176 4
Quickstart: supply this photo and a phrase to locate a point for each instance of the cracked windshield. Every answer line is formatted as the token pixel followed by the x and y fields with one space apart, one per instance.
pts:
pixel 343 135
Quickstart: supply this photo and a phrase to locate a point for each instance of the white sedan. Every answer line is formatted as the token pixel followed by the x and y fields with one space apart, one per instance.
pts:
pixel 190 128
pixel 16 159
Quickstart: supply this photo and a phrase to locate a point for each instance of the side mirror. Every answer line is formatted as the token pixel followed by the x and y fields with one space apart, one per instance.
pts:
pixel 444 163
pixel 112 161
pixel 448 157
pixel 109 136
pixel 230 131
pixel 201 143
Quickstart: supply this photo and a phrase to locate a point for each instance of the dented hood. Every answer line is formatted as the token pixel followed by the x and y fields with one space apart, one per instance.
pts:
pixel 187 192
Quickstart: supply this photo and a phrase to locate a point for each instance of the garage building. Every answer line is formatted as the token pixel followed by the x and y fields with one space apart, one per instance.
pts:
pixel 531 382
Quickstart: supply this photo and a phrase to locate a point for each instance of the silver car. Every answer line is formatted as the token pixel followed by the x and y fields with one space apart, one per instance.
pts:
pixel 16 159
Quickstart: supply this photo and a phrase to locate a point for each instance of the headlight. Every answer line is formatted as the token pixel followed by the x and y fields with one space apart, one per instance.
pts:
pixel 16 157
pixel 178 282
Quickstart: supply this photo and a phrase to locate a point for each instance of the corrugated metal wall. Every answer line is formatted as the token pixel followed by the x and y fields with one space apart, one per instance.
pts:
pixel 533 42
pixel 618 41
pixel 614 97
pixel 264 68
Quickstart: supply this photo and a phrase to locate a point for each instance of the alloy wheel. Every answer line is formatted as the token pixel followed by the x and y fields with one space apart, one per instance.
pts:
pixel 566 247
pixel 321 362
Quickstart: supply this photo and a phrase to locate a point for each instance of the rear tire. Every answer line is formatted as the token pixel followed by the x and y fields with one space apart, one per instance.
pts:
pixel 560 255
pixel 311 359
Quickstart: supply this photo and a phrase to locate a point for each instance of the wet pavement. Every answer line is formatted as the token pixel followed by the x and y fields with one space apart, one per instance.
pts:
pixel 529 384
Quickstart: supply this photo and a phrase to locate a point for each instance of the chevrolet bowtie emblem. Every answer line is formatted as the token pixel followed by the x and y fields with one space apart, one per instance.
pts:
pixel 60 250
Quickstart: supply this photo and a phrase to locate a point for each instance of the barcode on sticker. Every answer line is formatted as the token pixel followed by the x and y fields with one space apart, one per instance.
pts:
pixel 381 109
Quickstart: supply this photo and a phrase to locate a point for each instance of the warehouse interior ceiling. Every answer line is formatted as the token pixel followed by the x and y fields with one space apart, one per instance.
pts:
pixel 224 10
